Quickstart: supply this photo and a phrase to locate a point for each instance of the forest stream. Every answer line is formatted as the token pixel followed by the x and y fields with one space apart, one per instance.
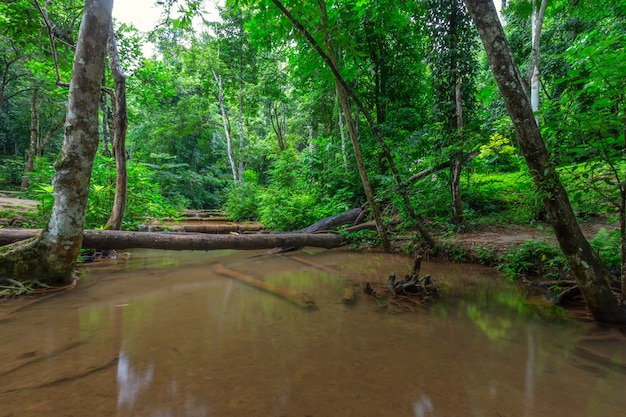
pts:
pixel 163 334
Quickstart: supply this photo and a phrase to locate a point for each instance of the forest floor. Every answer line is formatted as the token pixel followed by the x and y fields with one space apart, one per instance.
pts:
pixel 8 203
pixel 501 238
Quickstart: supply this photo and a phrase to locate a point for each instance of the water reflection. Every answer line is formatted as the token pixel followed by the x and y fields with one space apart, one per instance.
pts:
pixel 530 373
pixel 423 407
pixel 188 342
pixel 130 383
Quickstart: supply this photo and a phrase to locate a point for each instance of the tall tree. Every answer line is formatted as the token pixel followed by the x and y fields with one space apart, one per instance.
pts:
pixel 538 14
pixel 56 248
pixel 453 66
pixel 590 273
pixel 120 125
pixel 331 59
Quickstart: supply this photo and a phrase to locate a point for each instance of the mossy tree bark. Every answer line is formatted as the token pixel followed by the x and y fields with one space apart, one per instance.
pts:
pixel 589 272
pixel 51 256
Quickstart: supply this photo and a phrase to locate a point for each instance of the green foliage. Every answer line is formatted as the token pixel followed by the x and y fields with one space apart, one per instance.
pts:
pixel 363 238
pixel 503 197
pixel 607 245
pixel 11 172
pixel 242 201
pixel 532 258
pixel 498 154
pixel 144 199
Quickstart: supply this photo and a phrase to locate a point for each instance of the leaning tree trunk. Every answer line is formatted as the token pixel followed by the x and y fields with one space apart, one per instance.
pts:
pixel 51 256
pixel 120 125
pixel 590 273
pixel 343 87
pixel 345 105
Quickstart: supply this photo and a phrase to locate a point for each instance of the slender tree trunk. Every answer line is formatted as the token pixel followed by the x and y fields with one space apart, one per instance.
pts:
pixel 348 92
pixel 591 275
pixel 242 134
pixel 30 159
pixel 106 126
pixel 229 142
pixel 120 125
pixel 277 126
pixel 457 160
pixel 51 256
pixel 533 69
pixel 36 147
pixel 342 132
pixel 345 105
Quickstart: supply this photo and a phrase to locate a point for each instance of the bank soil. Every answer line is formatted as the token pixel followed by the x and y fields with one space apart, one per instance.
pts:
pixel 501 239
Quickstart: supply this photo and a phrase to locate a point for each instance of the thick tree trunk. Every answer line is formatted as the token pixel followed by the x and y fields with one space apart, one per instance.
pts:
pixel 120 125
pixel 114 239
pixel 590 274
pixel 51 256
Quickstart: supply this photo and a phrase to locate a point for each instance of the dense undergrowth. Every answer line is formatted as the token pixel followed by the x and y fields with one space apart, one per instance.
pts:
pixel 294 195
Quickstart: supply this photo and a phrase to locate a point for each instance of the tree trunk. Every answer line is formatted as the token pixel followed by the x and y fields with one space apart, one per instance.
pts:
pixel 114 239
pixel 30 159
pixel 51 256
pixel 120 125
pixel 242 133
pixel 225 124
pixel 342 133
pixel 535 56
pixel 345 89
pixel 35 148
pixel 345 105
pixel 590 274
pixel 457 161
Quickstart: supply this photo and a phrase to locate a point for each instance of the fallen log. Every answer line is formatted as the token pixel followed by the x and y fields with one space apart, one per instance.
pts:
pixel 324 224
pixel 298 298
pixel 215 228
pixel 113 239
pixel 332 221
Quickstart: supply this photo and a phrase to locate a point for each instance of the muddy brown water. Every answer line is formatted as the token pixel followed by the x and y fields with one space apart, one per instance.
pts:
pixel 162 335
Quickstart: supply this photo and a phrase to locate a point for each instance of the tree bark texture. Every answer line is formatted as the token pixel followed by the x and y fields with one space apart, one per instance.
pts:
pixel 114 239
pixel 590 274
pixel 120 125
pixel 51 256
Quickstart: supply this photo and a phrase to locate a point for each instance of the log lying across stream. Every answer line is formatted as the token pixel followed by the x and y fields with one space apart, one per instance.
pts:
pixel 112 239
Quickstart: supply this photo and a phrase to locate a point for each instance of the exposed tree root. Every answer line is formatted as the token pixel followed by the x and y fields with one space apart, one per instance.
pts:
pixel 406 294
